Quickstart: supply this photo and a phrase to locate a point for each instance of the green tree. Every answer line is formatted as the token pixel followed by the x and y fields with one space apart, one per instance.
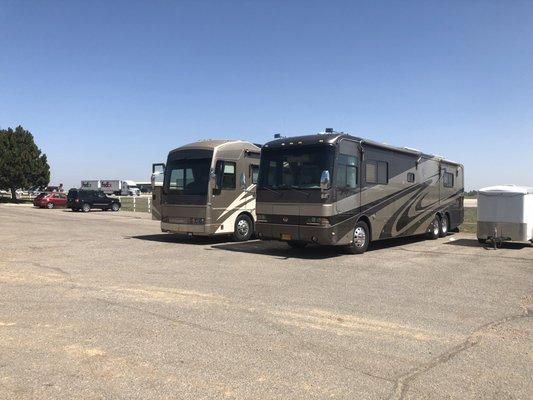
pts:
pixel 22 165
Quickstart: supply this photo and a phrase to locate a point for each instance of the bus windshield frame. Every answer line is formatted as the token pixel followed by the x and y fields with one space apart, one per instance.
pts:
pixel 295 167
pixel 187 176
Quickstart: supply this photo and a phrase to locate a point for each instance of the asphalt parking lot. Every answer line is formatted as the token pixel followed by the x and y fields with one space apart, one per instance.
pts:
pixel 105 306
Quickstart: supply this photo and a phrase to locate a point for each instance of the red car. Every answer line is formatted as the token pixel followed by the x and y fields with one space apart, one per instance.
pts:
pixel 50 200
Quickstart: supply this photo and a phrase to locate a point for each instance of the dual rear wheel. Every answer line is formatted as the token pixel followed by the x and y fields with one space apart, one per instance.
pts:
pixel 439 227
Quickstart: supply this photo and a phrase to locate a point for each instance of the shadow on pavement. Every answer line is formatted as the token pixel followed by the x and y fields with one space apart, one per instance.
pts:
pixel 475 243
pixel 177 238
pixel 311 252
pixel 280 249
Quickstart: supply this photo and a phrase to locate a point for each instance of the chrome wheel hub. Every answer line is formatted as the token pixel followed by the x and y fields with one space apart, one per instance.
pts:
pixel 436 226
pixel 242 227
pixel 359 237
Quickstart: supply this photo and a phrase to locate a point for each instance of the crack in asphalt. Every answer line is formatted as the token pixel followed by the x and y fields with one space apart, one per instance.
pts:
pixel 403 381
pixel 56 269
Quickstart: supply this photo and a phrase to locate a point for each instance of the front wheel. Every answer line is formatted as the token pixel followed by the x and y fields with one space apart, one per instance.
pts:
pixel 360 240
pixel 243 228
pixel 86 207
pixel 115 207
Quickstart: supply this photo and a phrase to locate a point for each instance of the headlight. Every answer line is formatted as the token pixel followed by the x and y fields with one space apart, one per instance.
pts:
pixel 318 221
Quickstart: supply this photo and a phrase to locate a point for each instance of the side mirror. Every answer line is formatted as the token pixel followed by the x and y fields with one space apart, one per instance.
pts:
pixel 243 181
pixel 325 181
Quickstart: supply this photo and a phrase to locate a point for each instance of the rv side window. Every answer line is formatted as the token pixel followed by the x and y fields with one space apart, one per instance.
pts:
pixel 371 172
pixel 228 176
pixel 377 172
pixel 447 180
pixel 254 171
pixel 347 171
pixel 410 177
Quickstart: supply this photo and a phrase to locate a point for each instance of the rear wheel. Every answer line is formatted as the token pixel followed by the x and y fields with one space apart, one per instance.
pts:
pixel 86 207
pixel 243 229
pixel 361 239
pixel 297 244
pixel 444 226
pixel 434 228
pixel 50 206
pixel 115 207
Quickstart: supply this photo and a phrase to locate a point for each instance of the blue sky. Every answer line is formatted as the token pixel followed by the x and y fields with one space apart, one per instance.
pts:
pixel 108 87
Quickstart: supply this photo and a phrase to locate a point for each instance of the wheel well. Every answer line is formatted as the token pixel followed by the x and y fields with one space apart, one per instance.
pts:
pixel 249 216
pixel 366 220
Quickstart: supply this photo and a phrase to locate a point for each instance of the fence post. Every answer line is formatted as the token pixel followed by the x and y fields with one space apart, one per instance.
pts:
pixel 149 204
pixel 134 203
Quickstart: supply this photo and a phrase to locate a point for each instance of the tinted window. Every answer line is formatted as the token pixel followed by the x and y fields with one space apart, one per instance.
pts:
pixel 254 172
pixel 447 180
pixel 377 172
pixel 347 171
pixel 187 176
pixel 295 167
pixel 228 176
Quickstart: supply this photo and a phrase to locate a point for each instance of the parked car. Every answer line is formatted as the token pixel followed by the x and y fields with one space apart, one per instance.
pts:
pixel 84 200
pixel 50 200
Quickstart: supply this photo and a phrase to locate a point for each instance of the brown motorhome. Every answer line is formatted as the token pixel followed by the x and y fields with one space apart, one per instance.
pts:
pixel 209 189
pixel 338 189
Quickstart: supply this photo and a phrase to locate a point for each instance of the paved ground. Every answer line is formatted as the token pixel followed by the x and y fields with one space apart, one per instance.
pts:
pixel 102 305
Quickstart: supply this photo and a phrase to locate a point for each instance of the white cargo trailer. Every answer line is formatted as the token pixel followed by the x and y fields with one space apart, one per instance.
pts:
pixel 120 187
pixel 505 213
pixel 91 185
pixel 112 186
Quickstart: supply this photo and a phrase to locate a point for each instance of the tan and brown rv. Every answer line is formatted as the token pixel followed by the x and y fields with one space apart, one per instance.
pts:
pixel 338 189
pixel 209 189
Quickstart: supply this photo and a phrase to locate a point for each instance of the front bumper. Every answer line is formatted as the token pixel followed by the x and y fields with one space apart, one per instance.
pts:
pixel 304 233
pixel 194 229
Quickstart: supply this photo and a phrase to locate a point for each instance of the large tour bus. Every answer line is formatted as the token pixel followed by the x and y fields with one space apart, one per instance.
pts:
pixel 338 189
pixel 209 189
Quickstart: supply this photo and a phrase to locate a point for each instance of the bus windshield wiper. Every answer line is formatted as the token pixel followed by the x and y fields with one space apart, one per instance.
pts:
pixel 270 190
pixel 307 194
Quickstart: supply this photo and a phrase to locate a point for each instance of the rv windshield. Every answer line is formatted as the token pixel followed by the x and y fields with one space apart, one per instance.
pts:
pixel 295 167
pixel 187 176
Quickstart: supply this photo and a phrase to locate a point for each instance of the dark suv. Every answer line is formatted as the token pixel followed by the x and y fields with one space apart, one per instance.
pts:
pixel 84 200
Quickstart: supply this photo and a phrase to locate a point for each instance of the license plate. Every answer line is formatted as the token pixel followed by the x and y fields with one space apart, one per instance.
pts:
pixel 285 236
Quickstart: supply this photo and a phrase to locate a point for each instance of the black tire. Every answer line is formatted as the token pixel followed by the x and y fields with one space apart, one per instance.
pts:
pixel 361 239
pixel 434 228
pixel 481 241
pixel 243 229
pixel 444 226
pixel 297 244
pixel 50 206
pixel 86 207
pixel 115 207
